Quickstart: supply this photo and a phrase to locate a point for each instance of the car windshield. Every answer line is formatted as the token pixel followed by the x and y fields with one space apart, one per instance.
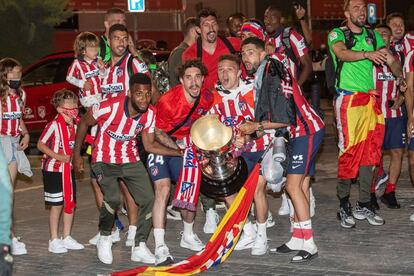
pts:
pixel 48 72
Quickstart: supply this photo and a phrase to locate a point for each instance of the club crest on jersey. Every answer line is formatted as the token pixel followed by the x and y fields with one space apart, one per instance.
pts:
pixel 119 137
pixel 200 111
pixel 369 40
pixel 243 105
pixel 12 115
pixel 385 76
pixel 41 111
pixel 119 71
pixel 230 121
pixel 139 128
pixel 71 144
pixel 185 186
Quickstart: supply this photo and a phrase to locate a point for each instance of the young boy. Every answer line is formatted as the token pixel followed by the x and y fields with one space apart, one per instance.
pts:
pixel 86 69
pixel 56 142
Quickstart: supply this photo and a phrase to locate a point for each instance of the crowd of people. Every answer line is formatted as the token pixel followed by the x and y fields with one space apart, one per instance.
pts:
pixel 139 140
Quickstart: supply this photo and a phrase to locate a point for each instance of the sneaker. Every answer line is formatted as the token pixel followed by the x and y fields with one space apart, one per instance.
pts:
pixel 374 202
pixel 412 217
pixel 390 201
pixel 247 238
pixel 57 246
pixel 18 247
pixel 142 254
pixel 103 247
pixel 270 222
pixel 72 244
pixel 191 242
pixel 221 205
pixel 115 237
pixel 130 240
pixel 173 214
pixel 163 256
pixel 381 180
pixel 212 219
pixel 345 216
pixel 95 239
pixel 362 213
pixel 284 208
pixel 260 246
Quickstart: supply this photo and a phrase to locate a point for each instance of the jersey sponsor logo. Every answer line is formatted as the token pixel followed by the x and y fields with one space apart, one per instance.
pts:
pixel 120 137
pixel 230 121
pixel 296 166
pixel 12 115
pixel 298 157
pixel 385 76
pixel 92 73
pixel 142 68
pixel 112 88
pixel 333 36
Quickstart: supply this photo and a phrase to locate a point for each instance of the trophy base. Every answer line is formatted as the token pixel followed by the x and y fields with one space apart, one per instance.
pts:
pixel 226 187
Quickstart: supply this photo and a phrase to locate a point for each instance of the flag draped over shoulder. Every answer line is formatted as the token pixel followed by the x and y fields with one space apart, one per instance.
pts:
pixel 361 129
pixel 220 245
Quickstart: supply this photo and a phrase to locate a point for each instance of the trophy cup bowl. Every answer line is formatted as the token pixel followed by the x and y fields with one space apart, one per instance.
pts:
pixel 222 174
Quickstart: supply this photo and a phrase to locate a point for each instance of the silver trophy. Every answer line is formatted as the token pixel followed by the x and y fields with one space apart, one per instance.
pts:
pixel 223 174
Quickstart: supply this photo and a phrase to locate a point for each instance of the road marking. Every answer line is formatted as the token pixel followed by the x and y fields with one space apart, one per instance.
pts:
pixel 28 189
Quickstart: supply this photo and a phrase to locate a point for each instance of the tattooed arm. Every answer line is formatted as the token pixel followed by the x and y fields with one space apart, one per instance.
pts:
pixel 164 139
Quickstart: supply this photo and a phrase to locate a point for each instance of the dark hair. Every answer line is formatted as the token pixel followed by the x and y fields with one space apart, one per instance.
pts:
pixel 275 8
pixel 61 95
pixel 190 23
pixel 394 15
pixel 230 57
pixel 148 57
pixel 117 27
pixel 6 66
pixel 192 63
pixel 383 26
pixel 139 78
pixel 112 11
pixel 83 40
pixel 255 41
pixel 238 15
pixel 206 12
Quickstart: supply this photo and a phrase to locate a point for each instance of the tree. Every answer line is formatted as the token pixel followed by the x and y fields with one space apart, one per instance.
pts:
pixel 27 27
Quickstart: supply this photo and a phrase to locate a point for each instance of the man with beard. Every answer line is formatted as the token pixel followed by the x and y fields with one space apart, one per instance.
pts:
pixel 359 119
pixel 115 156
pixel 295 48
pixel 234 23
pixel 176 110
pixel 210 46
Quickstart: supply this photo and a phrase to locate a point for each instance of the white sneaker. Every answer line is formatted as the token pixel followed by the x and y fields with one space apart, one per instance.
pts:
pixel 192 242
pixel 247 238
pixel 115 236
pixel 72 244
pixel 132 231
pixel 212 219
pixel 412 217
pixel 18 247
pixel 270 222
pixel 142 254
pixel 103 247
pixel 163 256
pixel 284 207
pixel 173 214
pixel 259 246
pixel 221 205
pixel 56 246
pixel 95 239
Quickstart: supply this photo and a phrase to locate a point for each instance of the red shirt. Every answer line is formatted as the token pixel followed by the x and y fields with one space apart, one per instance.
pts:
pixel 211 61
pixel 81 71
pixel 115 142
pixel 117 79
pixel 11 112
pixel 173 108
pixel 50 137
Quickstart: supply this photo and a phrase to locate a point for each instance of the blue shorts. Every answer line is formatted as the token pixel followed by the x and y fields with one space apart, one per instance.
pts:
pixel 160 167
pixel 251 159
pixel 303 152
pixel 395 133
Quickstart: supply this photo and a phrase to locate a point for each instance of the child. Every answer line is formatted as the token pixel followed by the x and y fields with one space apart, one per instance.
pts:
pixel 86 69
pixel 14 137
pixel 56 142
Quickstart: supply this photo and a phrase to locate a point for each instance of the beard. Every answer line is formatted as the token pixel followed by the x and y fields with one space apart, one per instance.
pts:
pixel 358 23
pixel 138 109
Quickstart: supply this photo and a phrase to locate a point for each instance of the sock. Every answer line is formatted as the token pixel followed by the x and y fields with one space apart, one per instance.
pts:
pixel 390 188
pixel 261 230
pixel 296 241
pixel 307 231
pixel 159 234
pixel 188 228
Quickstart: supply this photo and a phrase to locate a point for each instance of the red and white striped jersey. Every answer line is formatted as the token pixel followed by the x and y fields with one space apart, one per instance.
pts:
pixel 386 85
pixel 297 43
pixel 82 71
pixel 409 62
pixel 12 109
pixel 405 45
pixel 51 138
pixel 116 142
pixel 307 120
pixel 237 105
pixel 116 78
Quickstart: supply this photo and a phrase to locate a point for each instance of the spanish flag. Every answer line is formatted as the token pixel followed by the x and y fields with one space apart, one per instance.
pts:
pixel 220 245
pixel 361 129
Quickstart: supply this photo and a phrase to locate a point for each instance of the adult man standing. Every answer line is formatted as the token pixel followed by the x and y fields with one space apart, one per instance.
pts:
pixel 210 46
pixel 115 156
pixel 234 23
pixel 402 42
pixel 359 119
pixel 190 32
pixel 177 110
pixel 288 41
